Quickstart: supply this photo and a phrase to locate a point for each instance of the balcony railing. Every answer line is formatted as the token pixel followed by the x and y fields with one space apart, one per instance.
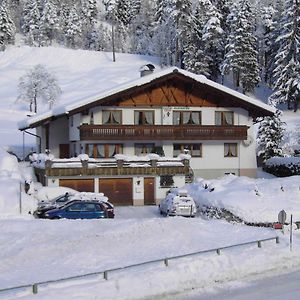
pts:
pixel 162 132
pixel 112 167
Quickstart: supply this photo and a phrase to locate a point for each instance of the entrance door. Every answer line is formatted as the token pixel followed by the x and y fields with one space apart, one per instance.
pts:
pixel 118 190
pixel 64 151
pixel 149 191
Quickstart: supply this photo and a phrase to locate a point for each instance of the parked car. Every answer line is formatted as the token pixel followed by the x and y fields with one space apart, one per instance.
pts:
pixel 178 203
pixel 81 209
pixel 67 198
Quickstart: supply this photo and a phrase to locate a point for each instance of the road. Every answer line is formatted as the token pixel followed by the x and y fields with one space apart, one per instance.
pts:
pixel 279 287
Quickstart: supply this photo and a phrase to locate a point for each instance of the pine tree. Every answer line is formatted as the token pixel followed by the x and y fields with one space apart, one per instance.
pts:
pixel 30 22
pixel 7 27
pixel 272 26
pixel 241 56
pixel 38 85
pixel 141 29
pixel 172 19
pixel 270 134
pixel 195 59
pixel 212 41
pixel 73 29
pixel 89 11
pixel 287 64
pixel 49 22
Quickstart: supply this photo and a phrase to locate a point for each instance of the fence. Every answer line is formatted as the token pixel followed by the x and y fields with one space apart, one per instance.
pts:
pixel 165 261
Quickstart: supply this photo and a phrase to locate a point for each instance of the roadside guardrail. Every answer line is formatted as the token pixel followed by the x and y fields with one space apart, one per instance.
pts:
pixel 165 261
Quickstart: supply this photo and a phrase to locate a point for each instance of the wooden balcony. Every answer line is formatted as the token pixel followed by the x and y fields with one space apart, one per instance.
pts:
pixel 162 132
pixel 112 167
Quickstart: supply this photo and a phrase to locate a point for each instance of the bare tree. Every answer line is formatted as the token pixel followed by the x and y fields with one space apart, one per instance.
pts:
pixel 38 85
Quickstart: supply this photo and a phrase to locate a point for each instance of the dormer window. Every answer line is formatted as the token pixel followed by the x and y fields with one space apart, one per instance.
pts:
pixel 224 118
pixel 112 117
pixel 187 117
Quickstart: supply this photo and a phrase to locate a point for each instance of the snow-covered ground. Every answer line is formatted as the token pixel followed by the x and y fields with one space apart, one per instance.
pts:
pixel 36 250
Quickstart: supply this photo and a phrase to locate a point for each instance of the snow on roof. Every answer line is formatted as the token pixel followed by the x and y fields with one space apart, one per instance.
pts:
pixel 66 109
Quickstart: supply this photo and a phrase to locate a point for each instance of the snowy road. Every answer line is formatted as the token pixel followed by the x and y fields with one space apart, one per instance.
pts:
pixel 286 286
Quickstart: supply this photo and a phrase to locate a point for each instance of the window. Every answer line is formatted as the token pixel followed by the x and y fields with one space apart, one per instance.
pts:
pixel 112 117
pixel 187 118
pixel 143 149
pixel 103 150
pixel 230 150
pixel 166 181
pixel 75 207
pixel 195 150
pixel 71 121
pixel 224 118
pixel 144 117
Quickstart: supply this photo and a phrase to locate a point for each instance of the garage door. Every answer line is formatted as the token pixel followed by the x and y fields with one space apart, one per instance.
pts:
pixel 81 185
pixel 118 190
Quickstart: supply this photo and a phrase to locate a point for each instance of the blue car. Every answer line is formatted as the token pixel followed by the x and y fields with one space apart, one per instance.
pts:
pixel 79 210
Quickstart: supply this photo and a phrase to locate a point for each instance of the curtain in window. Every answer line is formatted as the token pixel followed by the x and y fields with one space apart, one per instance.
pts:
pixel 111 150
pixel 218 118
pixel 226 150
pixel 233 150
pixel 100 151
pixel 176 118
pixel 90 150
pixel 149 117
pixel 186 117
pixel 116 117
pixel 196 118
pixel 228 116
pixel 105 117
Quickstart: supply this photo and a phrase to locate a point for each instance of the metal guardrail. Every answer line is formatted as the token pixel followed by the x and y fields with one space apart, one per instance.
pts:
pixel 165 261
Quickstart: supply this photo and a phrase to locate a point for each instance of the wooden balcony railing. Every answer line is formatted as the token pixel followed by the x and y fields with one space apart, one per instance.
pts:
pixel 162 132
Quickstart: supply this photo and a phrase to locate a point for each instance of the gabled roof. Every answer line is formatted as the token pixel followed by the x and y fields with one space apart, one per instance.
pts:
pixel 254 106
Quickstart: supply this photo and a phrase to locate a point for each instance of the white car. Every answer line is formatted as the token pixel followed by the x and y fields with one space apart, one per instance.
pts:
pixel 178 203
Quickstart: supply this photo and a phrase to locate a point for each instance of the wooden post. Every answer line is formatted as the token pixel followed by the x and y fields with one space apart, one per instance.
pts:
pixel 259 244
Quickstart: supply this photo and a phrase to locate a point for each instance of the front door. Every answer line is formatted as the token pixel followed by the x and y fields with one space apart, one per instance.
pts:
pixel 64 151
pixel 149 195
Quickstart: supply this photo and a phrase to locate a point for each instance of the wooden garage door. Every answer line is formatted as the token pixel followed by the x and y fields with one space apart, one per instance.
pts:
pixel 118 190
pixel 81 185
pixel 149 191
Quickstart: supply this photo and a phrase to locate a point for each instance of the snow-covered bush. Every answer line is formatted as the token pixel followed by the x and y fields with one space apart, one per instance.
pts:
pixel 283 166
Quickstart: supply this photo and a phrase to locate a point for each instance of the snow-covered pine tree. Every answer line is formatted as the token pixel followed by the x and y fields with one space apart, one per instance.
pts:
pixel 49 22
pixel 269 136
pixel 89 11
pixel 271 34
pixel 30 22
pixel 172 23
pixel 212 40
pixel 141 29
pixel 38 85
pixel 241 57
pixel 287 60
pixel 73 29
pixel 266 32
pixel 195 59
pixel 7 27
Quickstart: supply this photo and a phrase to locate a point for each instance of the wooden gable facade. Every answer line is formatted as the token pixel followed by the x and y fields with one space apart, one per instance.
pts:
pixel 174 89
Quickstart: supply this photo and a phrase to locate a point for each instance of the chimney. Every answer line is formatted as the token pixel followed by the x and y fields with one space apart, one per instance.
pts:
pixel 146 70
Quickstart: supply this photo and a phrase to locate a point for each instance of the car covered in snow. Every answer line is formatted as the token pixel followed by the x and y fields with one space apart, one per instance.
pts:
pixel 81 209
pixel 57 202
pixel 178 203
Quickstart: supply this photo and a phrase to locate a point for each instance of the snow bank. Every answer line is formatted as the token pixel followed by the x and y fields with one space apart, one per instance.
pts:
pixel 253 200
pixel 13 200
